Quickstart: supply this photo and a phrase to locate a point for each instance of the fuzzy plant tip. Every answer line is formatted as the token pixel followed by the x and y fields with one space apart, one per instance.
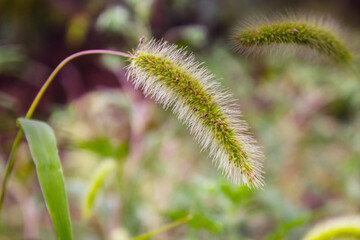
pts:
pixel 317 36
pixel 345 227
pixel 175 79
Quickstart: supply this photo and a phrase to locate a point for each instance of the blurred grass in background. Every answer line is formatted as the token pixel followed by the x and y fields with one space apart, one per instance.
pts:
pixel 305 114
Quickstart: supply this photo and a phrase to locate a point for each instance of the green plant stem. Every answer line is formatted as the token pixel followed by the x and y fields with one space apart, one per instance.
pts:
pixel 19 136
pixel 163 228
pixel 10 165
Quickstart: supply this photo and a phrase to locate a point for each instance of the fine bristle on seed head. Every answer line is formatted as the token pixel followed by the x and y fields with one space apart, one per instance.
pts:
pixel 175 79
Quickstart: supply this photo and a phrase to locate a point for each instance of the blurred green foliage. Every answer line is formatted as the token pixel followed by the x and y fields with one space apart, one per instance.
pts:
pixel 304 113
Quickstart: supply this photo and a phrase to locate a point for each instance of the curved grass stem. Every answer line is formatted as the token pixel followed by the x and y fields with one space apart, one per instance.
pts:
pixel 19 136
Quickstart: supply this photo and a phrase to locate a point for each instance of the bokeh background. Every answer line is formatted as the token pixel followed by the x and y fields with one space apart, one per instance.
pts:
pixel 306 115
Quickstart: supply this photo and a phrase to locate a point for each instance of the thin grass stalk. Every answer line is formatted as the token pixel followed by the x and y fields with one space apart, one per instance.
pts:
pixel 163 228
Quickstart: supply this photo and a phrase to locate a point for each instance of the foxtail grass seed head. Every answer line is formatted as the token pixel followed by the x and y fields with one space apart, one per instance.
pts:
pixel 323 36
pixel 174 79
pixel 347 227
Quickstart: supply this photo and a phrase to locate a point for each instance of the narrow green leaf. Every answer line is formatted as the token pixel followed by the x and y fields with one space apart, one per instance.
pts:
pixel 98 178
pixel 43 149
pixel 164 228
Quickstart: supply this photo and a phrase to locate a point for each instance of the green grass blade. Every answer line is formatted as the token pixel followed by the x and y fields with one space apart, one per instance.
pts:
pixel 164 228
pixel 43 149
pixel 102 172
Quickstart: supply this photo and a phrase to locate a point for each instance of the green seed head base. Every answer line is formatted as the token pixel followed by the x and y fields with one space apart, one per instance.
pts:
pixel 301 33
pixel 347 227
pixel 174 79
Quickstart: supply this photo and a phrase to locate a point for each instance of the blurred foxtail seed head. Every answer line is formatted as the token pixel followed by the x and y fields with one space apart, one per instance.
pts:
pixel 293 32
pixel 346 227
